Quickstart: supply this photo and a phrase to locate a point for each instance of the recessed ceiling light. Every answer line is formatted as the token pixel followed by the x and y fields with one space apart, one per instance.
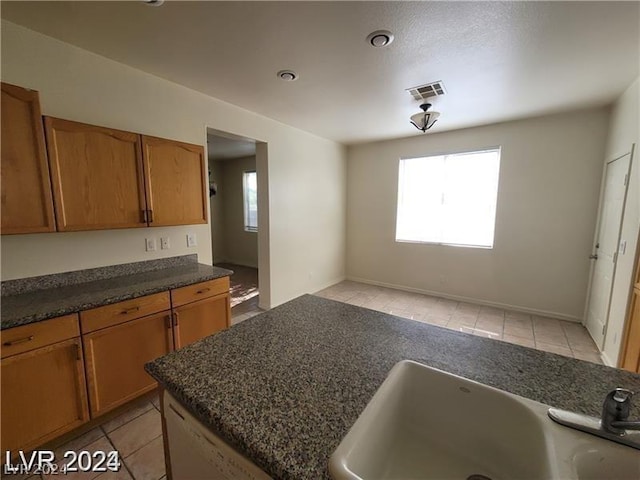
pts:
pixel 154 3
pixel 287 75
pixel 380 38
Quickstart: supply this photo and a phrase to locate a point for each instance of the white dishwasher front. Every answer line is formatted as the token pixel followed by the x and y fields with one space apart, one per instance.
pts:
pixel 196 453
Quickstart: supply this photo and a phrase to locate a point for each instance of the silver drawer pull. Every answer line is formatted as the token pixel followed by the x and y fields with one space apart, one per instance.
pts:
pixel 18 341
pixel 204 290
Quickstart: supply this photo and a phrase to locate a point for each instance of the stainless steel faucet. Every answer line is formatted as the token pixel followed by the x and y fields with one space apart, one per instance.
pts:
pixel 615 412
pixel 613 425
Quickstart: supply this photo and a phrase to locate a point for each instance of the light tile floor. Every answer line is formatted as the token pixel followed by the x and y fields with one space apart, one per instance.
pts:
pixel 136 434
pixel 245 310
pixel 542 333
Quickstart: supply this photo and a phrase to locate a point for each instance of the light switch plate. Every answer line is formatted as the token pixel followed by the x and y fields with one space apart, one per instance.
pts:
pixel 164 243
pixel 150 244
pixel 191 240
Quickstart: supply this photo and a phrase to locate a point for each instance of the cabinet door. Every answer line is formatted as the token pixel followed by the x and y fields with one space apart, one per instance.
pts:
pixel 115 359
pixel 631 348
pixel 27 205
pixel 176 182
pixel 97 176
pixel 43 395
pixel 199 319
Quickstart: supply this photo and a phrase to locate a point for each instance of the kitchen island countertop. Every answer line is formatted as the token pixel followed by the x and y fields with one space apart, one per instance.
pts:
pixel 284 387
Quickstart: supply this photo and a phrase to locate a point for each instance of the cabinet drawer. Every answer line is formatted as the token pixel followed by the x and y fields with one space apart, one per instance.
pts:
pixel 198 291
pixel 120 312
pixel 35 335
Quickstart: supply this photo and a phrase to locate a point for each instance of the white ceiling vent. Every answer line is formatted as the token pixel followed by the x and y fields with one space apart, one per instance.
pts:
pixel 422 92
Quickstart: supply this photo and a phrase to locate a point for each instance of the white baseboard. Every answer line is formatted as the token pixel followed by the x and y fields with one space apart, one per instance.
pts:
pixel 460 298
pixel 322 286
pixel 240 263
pixel 328 283
pixel 607 361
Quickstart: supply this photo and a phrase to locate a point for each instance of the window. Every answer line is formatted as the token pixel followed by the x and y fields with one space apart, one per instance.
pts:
pixel 448 199
pixel 250 193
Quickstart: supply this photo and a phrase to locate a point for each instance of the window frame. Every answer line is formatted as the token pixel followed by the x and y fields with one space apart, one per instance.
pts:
pixel 245 206
pixel 494 148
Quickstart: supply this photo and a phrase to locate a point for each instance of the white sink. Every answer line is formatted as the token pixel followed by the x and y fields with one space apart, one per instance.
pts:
pixel 595 464
pixel 423 423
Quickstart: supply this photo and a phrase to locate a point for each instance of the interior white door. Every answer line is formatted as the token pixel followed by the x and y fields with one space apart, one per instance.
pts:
pixel 606 248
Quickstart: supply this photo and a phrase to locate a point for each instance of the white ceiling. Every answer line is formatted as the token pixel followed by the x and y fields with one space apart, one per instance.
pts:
pixel 498 60
pixel 222 148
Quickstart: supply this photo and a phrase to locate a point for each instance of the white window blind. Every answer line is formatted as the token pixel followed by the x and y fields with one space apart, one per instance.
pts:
pixel 250 190
pixel 448 199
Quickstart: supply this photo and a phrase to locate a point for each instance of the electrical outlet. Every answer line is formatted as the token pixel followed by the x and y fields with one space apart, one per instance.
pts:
pixel 191 240
pixel 164 243
pixel 150 244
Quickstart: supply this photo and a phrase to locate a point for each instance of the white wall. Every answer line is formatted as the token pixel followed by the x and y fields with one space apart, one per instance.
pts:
pixel 550 175
pixel 237 245
pixel 624 130
pixel 306 174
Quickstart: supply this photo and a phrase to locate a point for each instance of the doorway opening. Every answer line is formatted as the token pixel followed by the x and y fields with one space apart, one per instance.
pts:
pixel 235 201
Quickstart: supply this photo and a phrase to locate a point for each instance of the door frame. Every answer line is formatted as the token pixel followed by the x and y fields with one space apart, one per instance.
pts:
pixel 262 171
pixel 597 236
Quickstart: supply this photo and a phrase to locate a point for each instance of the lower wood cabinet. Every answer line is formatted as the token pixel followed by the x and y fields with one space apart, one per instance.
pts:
pixel 630 358
pixel 115 358
pixel 199 319
pixel 43 395
pixel 54 379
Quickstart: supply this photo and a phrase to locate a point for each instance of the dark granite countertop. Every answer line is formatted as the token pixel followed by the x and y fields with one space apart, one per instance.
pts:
pixel 34 306
pixel 284 387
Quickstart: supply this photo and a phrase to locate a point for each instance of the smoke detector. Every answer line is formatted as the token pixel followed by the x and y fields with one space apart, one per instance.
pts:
pixel 287 75
pixel 380 38
pixel 428 90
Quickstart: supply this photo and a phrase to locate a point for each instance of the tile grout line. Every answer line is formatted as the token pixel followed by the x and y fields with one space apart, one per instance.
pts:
pixel 122 462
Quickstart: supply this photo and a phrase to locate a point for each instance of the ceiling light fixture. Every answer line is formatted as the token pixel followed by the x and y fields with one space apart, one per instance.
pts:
pixel 380 38
pixel 154 3
pixel 287 75
pixel 424 120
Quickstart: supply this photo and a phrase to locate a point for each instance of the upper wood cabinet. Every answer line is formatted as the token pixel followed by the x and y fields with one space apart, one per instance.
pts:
pixel 104 178
pixel 27 206
pixel 97 176
pixel 176 182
